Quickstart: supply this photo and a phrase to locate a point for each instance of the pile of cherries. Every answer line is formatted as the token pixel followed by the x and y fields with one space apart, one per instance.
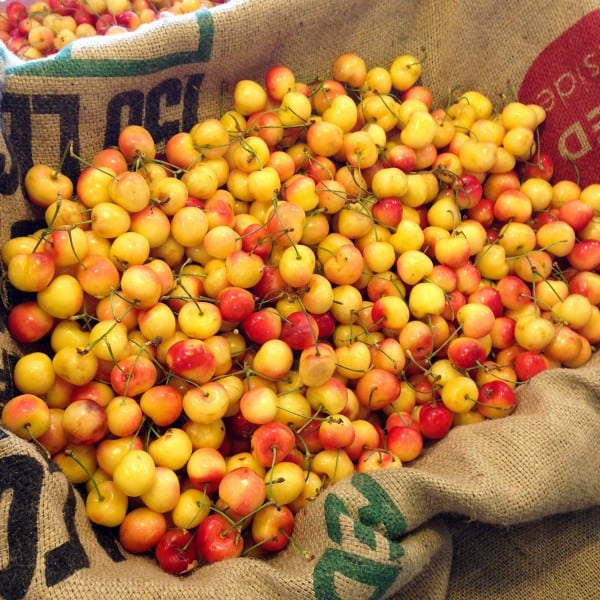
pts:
pixel 323 280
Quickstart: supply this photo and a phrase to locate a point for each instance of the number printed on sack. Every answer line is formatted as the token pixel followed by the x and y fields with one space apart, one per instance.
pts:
pixel 378 572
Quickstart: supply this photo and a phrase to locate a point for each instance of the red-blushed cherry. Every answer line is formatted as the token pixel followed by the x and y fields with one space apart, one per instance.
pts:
pixel 488 295
pixel 272 527
pixel 136 142
pixel 54 439
pixel 308 437
pixel 388 211
pixel 31 272
pixel 109 157
pixel 217 539
pixel 256 239
pixel 205 468
pixel 496 399
pixel 325 323
pixel 400 419
pixel 514 292
pixel 373 459
pixel 336 431
pixel 271 285
pixel 285 223
pixel 416 339
pixel 483 212
pixel 529 363
pixel 419 92
pixel 330 397
pixel 191 359
pixel 175 551
pixel 279 80
pixel 586 283
pixel 576 213
pixel 272 442
pixel 262 325
pixel 28 322
pixel 469 191
pixel 85 422
pixel 435 420
pixel 391 312
pixel 454 300
pixel 503 333
pixel 405 442
pixel 162 404
pixel 129 19
pixel 235 303
pixel 141 529
pixel 316 364
pixel 258 404
pixel 242 491
pixel 26 415
pixel 585 255
pixel 133 375
pixel 402 157
pixel 421 385
pixel 366 435
pixel 466 352
pixel 299 330
pixel 540 165
pixel 377 388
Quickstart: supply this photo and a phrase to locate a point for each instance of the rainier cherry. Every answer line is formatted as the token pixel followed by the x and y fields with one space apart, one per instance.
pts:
pixel 175 551
pixel 435 420
pixel 217 539
pixel 496 399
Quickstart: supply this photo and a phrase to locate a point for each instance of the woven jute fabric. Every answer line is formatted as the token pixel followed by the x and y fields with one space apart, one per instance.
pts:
pixel 502 509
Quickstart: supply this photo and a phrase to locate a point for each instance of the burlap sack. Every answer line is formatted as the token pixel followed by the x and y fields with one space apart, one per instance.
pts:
pixel 504 509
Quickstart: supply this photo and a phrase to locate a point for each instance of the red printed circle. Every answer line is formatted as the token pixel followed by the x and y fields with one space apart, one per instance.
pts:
pixel 565 80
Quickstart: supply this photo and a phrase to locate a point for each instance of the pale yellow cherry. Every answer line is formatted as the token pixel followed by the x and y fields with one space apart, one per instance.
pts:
pixel 297 265
pixel 479 102
pixel 534 333
pixel 517 114
pixel 575 311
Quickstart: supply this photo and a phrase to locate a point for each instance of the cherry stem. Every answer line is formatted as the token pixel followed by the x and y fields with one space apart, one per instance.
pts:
pixel 69 452
pixel 257 545
pixel 200 504
pixel 235 525
pixel 37 442
pixel 271 481
pixel 86 163
pixel 187 544
pixel 314 417
pixel 307 555
pixel 62 161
